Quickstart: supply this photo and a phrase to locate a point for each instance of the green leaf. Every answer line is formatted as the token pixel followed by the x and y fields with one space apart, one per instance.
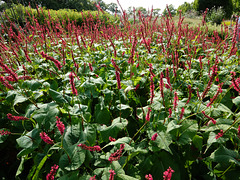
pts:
pixel 187 131
pixel 117 125
pixel 163 141
pixel 31 140
pixel 236 100
pixel 72 176
pixel 224 155
pixel 124 140
pixel 89 134
pixel 101 114
pixel 73 134
pixel 125 177
pixel 73 159
pixel 224 108
pixel 46 115
pixel 58 97
pixel 198 141
pixel 35 177
pixel 3 137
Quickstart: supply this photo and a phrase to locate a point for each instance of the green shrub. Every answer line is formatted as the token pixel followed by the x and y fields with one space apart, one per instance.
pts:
pixel 215 15
pixel 21 13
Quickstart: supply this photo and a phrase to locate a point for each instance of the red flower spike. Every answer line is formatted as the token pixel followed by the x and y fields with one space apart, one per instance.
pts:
pixel 148 177
pixel 220 134
pixel 16 118
pixel 93 178
pixel 116 155
pixel 112 173
pixel 154 137
pixel 167 175
pixel 46 138
pixel 51 174
pixel 213 120
pixel 90 148
pixel 111 139
pixel 60 125
pixel 4 132
pixel 74 90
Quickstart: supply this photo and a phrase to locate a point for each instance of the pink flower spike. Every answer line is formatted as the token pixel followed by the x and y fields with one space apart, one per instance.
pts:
pixel 4 132
pixel 148 114
pixel 112 173
pixel 154 137
pixel 46 138
pixel 16 118
pixel 60 125
pixel 148 177
pixel 111 139
pixel 93 178
pixel 51 174
pixel 219 134
pixel 167 175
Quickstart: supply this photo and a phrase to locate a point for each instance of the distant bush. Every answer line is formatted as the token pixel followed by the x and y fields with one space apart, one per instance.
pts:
pixel 20 14
pixel 215 15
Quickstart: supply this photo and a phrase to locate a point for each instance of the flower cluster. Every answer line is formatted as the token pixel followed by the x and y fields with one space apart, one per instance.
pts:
pixel 112 173
pixel 8 70
pixel 116 155
pixel 220 134
pixel 148 114
pixel 6 83
pixel 93 178
pixel 167 175
pixel 60 125
pixel 4 132
pixel 56 62
pixel 175 100
pixel 51 174
pixel 111 139
pixel 213 120
pixel 148 177
pixel 118 79
pixel 16 118
pixel 154 137
pixel 46 138
pixel 74 90
pixel 90 148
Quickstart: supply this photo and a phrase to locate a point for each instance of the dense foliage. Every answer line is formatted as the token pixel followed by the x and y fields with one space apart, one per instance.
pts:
pixel 148 100
pixel 202 5
pixel 20 14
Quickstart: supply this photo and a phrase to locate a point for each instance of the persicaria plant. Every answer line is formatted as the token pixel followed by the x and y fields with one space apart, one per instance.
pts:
pixel 147 99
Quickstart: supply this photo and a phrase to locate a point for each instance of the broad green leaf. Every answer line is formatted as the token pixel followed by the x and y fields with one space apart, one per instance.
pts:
pixel 224 155
pixel 101 114
pixel 187 131
pixel 172 125
pixel 46 115
pixel 224 108
pixel 89 134
pixel 58 97
pixel 198 142
pixel 73 134
pixel 31 140
pixel 124 140
pixel 125 177
pixel 117 125
pixel 236 100
pixel 163 141
pixel 73 159
pixel 19 99
pixel 126 110
pixel 73 176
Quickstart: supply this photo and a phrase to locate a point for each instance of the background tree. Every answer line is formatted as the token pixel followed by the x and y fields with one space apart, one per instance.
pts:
pixel 156 12
pixel 201 5
pixel 142 9
pixel 172 10
pixel 113 7
pixel 185 7
pixel 236 6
